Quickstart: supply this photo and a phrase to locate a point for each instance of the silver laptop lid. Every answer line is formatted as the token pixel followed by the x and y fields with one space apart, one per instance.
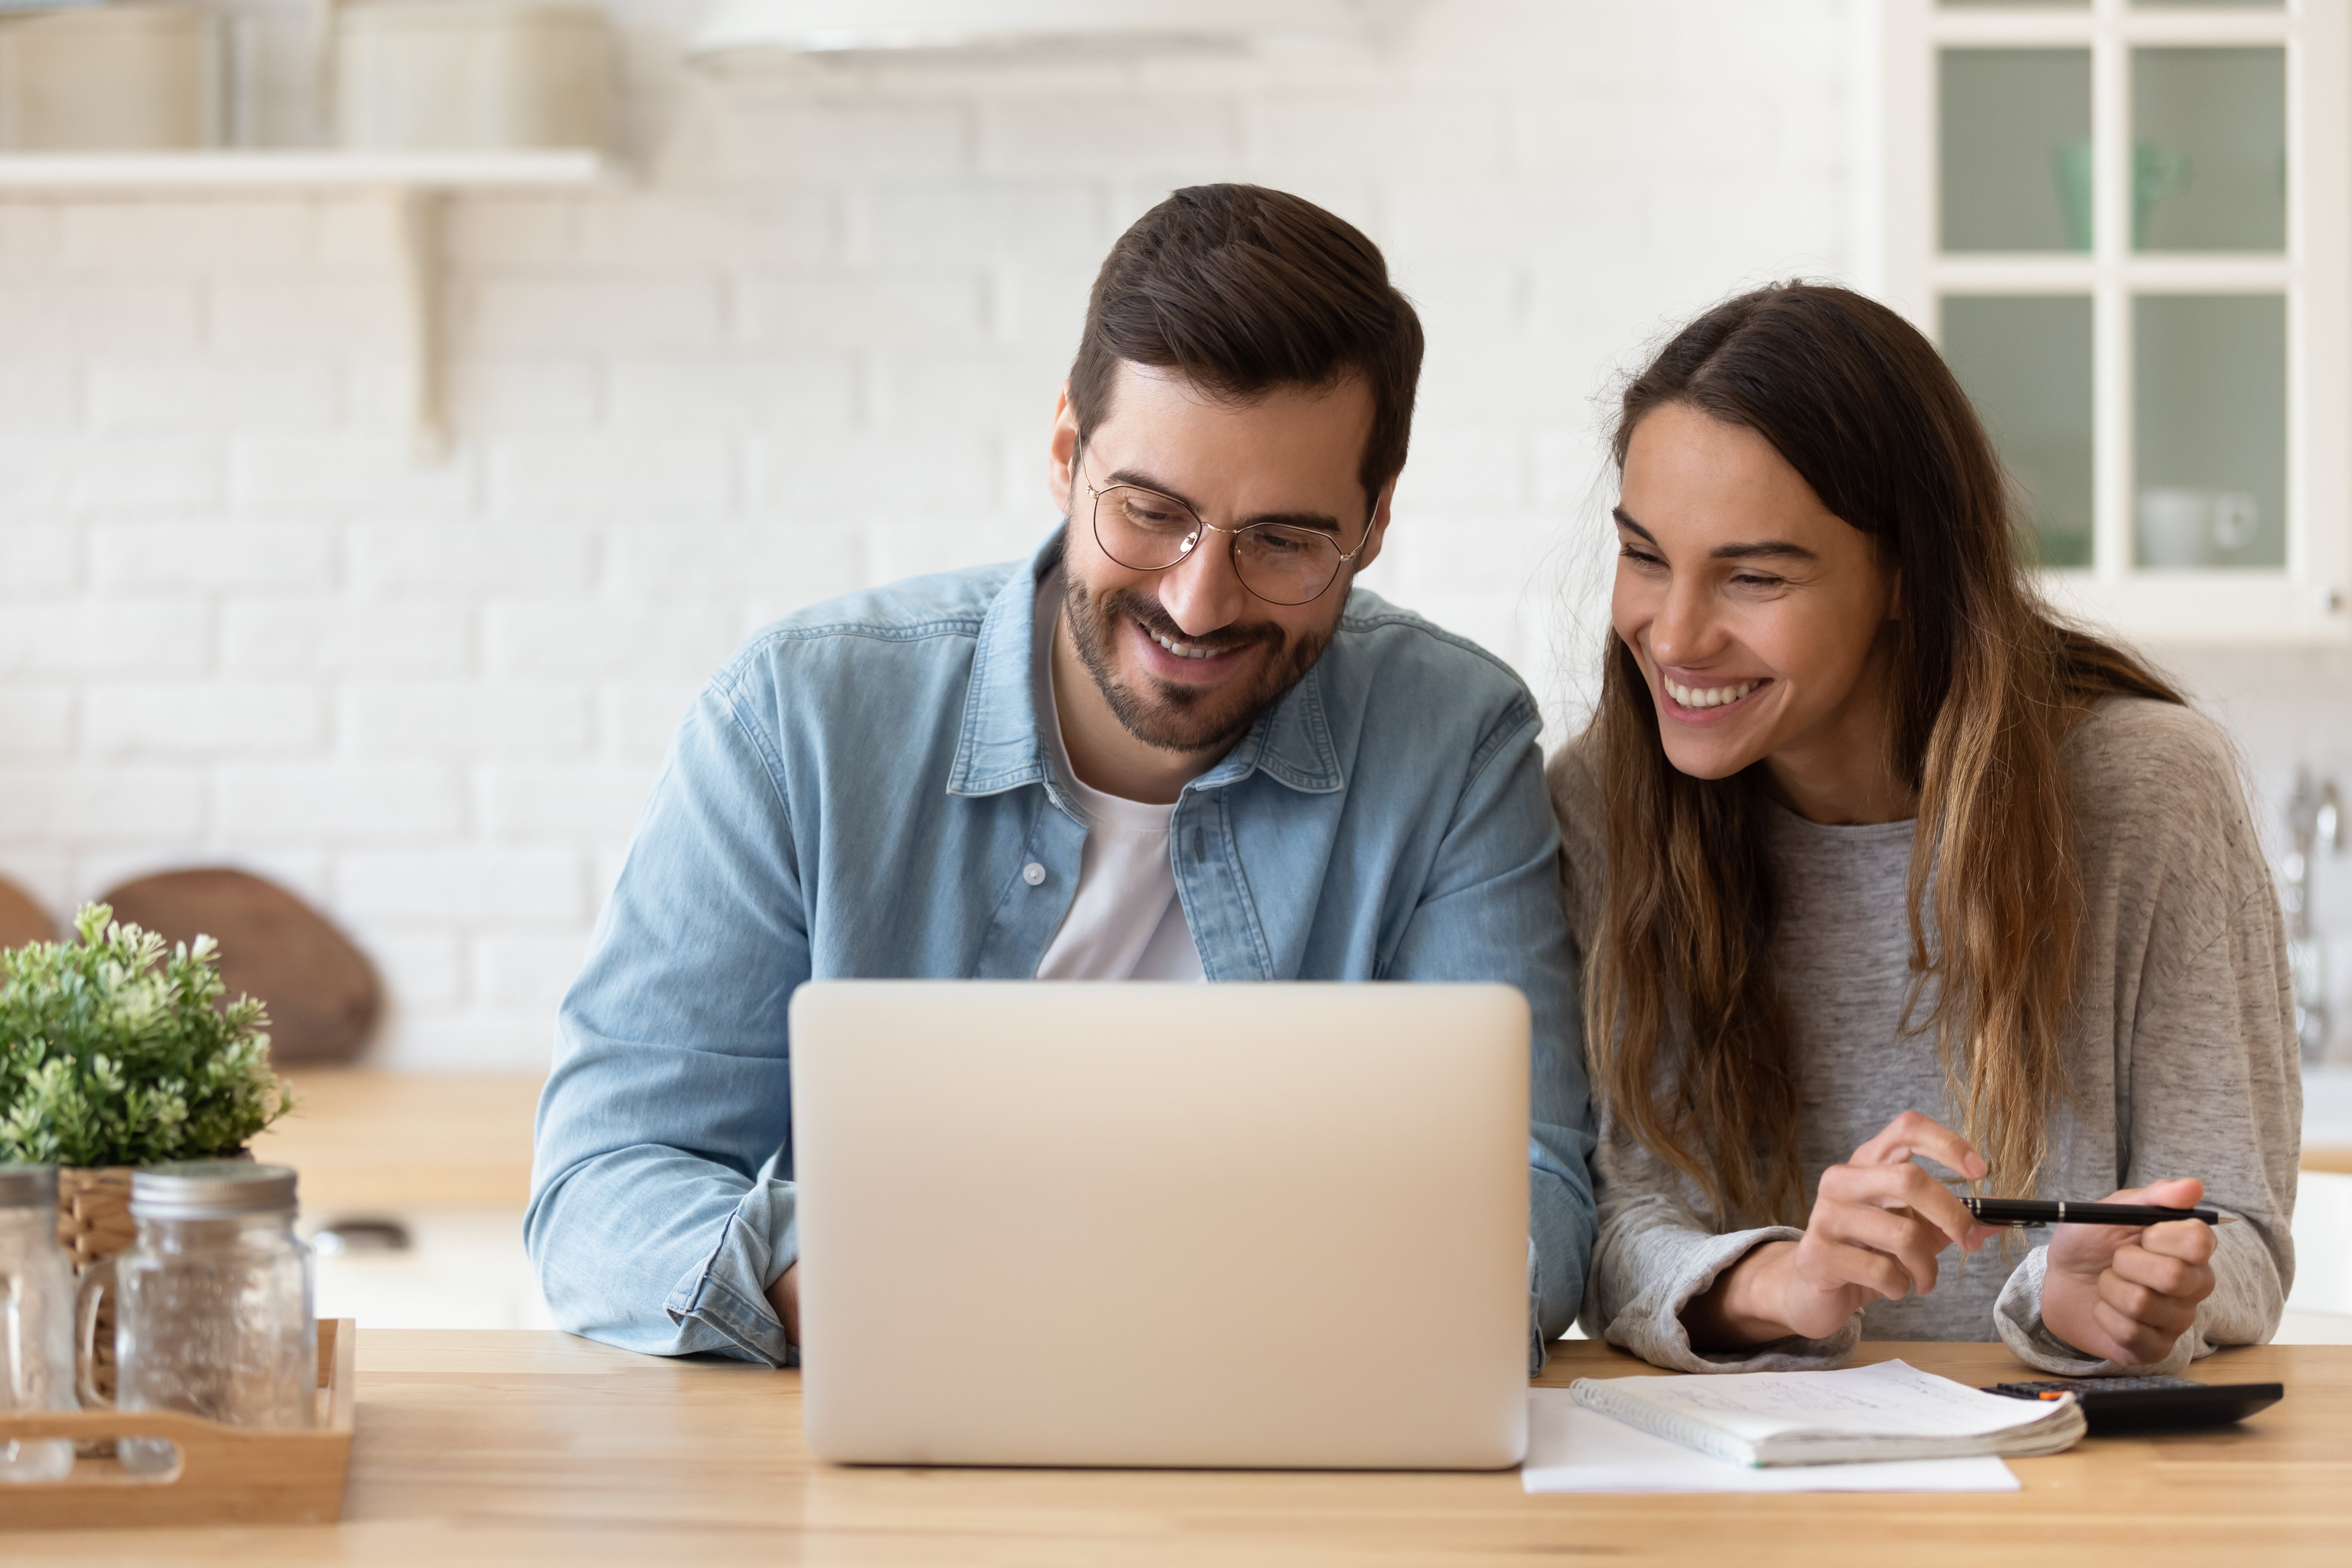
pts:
pixel 1238 1224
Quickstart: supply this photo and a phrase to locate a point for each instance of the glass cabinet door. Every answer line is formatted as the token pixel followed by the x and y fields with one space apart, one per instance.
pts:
pixel 2013 125
pixel 2208 430
pixel 2103 187
pixel 2127 225
pixel 2208 149
pixel 2025 363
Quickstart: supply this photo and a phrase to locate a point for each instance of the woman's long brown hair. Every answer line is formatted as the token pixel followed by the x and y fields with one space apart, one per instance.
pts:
pixel 1691 1043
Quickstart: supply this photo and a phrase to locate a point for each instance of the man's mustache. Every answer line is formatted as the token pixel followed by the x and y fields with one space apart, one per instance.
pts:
pixel 1148 614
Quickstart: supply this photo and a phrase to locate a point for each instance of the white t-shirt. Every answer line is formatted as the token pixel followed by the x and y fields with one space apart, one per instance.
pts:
pixel 1126 922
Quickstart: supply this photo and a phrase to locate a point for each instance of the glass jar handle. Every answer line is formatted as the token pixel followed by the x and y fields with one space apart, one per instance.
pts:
pixel 87 1296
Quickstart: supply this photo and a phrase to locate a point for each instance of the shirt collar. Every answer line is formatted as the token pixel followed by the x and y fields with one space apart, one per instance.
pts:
pixel 1001 746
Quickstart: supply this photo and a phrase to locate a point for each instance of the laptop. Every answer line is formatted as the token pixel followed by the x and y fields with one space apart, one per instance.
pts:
pixel 1129 1224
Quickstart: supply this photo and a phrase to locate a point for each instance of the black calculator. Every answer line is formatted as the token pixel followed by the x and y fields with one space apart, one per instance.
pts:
pixel 2151 1404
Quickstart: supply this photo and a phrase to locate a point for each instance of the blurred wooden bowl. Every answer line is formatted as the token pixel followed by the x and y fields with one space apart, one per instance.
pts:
pixel 22 919
pixel 322 993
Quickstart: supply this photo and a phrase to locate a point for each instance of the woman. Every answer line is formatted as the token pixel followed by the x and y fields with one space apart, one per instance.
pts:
pixel 1873 861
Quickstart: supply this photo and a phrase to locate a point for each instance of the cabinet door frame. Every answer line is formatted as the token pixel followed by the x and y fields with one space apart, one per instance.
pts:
pixel 2311 598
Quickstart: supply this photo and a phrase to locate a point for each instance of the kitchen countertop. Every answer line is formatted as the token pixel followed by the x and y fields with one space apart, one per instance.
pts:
pixel 366 1141
pixel 2327 1119
pixel 481 1447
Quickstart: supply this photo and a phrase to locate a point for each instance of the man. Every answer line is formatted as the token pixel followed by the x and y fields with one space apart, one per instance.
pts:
pixel 1175 744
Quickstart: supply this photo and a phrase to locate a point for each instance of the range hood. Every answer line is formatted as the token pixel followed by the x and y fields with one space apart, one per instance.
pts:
pixel 738 30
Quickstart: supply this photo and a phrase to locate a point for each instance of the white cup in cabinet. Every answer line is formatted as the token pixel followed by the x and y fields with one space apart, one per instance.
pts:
pixel 2182 527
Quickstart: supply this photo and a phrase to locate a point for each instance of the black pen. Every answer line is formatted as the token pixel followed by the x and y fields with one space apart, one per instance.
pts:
pixel 2042 1211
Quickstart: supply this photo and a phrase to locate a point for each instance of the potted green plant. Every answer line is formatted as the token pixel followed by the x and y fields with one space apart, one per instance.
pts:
pixel 114 1052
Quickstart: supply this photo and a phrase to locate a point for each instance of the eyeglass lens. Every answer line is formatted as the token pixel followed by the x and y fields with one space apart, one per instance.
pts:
pixel 1149 532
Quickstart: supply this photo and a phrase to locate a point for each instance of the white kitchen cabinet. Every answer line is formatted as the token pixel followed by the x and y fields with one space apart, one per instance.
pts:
pixel 2319 1306
pixel 2128 226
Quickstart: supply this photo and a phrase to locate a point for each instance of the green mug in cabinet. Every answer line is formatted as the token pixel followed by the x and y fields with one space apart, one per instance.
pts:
pixel 2158 174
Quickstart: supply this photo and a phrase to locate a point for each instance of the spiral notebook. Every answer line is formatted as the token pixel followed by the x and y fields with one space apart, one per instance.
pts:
pixel 1886 1411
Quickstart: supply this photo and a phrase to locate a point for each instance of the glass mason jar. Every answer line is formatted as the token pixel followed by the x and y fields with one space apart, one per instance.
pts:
pixel 213 1311
pixel 37 1352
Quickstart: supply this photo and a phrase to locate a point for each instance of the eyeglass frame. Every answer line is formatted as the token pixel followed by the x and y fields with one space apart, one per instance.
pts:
pixel 1347 558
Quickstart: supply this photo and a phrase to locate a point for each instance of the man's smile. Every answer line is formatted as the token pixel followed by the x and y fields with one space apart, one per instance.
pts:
pixel 1181 650
pixel 1172 658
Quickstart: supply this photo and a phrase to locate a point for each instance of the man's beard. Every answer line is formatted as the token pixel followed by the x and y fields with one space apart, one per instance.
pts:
pixel 1178 718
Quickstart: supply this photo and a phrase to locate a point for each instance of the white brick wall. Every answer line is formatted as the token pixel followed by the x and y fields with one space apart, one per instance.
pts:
pixel 813 346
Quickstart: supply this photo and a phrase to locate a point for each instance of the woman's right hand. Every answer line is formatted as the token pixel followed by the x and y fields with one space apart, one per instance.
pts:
pixel 1877 1225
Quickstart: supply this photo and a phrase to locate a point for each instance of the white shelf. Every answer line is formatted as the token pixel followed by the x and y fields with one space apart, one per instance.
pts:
pixel 411 183
pixel 2207 606
pixel 290 170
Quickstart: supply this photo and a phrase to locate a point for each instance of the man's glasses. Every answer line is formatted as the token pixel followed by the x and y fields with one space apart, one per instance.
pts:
pixel 1281 563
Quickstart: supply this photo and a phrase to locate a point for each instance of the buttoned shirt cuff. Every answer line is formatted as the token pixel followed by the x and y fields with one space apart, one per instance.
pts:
pixel 727 1293
pixel 2017 1315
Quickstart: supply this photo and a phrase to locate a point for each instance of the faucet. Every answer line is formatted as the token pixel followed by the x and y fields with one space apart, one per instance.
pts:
pixel 2314 821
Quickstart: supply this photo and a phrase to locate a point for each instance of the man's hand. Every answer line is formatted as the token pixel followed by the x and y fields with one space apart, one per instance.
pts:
pixel 784 1296
pixel 1877 1223
pixel 2127 1293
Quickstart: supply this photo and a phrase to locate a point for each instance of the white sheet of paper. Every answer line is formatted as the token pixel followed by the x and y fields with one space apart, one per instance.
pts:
pixel 1572 1450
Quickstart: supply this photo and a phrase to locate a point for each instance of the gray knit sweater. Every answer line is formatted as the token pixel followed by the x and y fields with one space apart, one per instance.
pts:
pixel 2181 1055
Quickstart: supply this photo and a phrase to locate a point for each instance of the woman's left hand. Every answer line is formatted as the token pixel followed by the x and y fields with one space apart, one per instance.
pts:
pixel 2129 1292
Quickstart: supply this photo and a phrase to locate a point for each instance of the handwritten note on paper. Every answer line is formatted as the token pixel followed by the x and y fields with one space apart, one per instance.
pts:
pixel 1572 1450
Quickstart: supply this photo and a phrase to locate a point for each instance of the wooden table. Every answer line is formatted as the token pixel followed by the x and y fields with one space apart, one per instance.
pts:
pixel 368 1141
pixel 507 1447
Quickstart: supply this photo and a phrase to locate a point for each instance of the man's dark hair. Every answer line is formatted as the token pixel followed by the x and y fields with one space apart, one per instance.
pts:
pixel 1241 289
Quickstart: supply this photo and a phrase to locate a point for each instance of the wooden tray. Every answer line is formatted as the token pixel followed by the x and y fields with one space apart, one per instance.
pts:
pixel 227 1475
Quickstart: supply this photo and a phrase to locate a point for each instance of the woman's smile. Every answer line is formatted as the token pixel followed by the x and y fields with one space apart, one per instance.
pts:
pixel 1708 694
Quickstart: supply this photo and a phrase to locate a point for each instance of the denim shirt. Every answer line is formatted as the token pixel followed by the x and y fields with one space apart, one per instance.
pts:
pixel 862 792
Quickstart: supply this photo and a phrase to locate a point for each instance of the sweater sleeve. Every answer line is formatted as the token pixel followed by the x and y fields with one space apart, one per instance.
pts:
pixel 1655 1255
pixel 2208 1082
pixel 2214 1092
